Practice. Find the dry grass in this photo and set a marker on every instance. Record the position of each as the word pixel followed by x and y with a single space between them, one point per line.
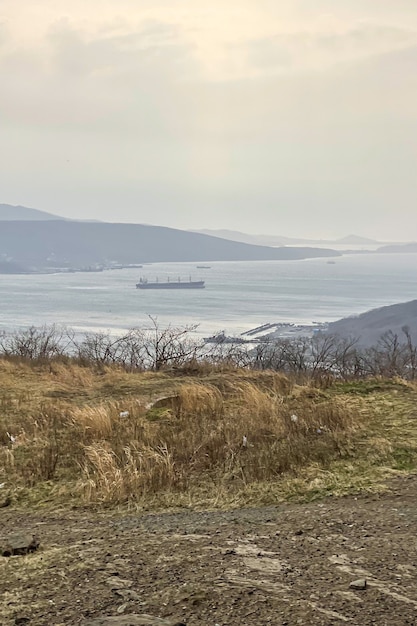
pixel 225 438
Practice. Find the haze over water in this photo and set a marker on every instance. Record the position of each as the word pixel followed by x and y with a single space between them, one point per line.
pixel 238 295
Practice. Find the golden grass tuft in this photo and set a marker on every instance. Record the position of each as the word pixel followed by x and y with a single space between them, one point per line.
pixel 109 478
pixel 90 435
pixel 199 399
pixel 96 422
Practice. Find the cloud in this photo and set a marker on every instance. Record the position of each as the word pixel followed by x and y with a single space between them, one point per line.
pixel 322 49
pixel 298 111
pixel 4 33
pixel 155 49
pixel 228 41
pixel 103 82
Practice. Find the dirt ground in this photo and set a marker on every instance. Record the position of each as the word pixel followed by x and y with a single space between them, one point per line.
pixel 285 565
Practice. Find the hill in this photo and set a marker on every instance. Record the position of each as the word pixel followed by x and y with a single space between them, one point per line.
pixel 369 326
pixel 235 235
pixel 46 244
pixel 279 240
pixel 136 502
pixel 355 240
pixel 21 213
pixel 408 248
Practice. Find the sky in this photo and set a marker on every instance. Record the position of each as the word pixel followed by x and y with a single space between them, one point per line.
pixel 265 116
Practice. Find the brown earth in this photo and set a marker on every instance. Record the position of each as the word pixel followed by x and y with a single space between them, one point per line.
pixel 284 565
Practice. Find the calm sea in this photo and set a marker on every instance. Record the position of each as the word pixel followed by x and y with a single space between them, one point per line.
pixel 238 295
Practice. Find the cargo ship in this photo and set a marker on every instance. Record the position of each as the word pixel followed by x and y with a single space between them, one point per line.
pixel 144 283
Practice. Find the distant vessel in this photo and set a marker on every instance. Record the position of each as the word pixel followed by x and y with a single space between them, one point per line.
pixel 203 267
pixel 331 262
pixel 170 284
pixel 122 267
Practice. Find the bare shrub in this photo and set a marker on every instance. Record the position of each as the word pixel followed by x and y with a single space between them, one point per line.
pixel 46 342
pixel 156 347
pixel 392 356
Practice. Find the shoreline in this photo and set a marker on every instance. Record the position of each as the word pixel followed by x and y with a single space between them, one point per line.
pixel 276 330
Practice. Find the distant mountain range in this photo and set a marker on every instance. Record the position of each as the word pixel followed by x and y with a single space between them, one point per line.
pixel 349 240
pixel 355 240
pixel 403 248
pixel 368 327
pixel 9 212
pixel 45 244
pixel 271 240
pixel 33 240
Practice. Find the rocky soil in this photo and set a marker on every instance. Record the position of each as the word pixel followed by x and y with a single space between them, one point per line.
pixel 350 560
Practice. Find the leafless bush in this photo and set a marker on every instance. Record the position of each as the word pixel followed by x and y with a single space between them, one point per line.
pixel 228 354
pixel 168 347
pixel 330 355
pixel 105 349
pixel 46 342
pixel 393 355
pixel 158 347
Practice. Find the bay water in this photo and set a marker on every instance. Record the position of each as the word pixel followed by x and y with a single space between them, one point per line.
pixel 238 295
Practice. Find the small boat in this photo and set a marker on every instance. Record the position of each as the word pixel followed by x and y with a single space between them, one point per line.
pixel 203 267
pixel 144 283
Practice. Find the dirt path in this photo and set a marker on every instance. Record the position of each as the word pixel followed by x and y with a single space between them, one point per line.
pixel 284 565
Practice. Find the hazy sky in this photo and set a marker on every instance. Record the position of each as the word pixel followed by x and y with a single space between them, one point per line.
pixel 268 116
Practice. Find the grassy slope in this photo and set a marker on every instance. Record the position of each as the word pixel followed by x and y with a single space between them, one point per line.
pixel 74 448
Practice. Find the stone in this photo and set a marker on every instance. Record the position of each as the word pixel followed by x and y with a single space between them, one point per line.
pixel 7 501
pixel 127 594
pixel 165 402
pixel 132 620
pixel 18 544
pixel 359 585
pixel 115 582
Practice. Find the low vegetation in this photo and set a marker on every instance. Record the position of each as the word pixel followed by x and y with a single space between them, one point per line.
pixel 88 434
pixel 160 348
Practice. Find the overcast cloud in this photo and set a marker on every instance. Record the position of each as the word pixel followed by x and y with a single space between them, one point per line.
pixel 258 116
